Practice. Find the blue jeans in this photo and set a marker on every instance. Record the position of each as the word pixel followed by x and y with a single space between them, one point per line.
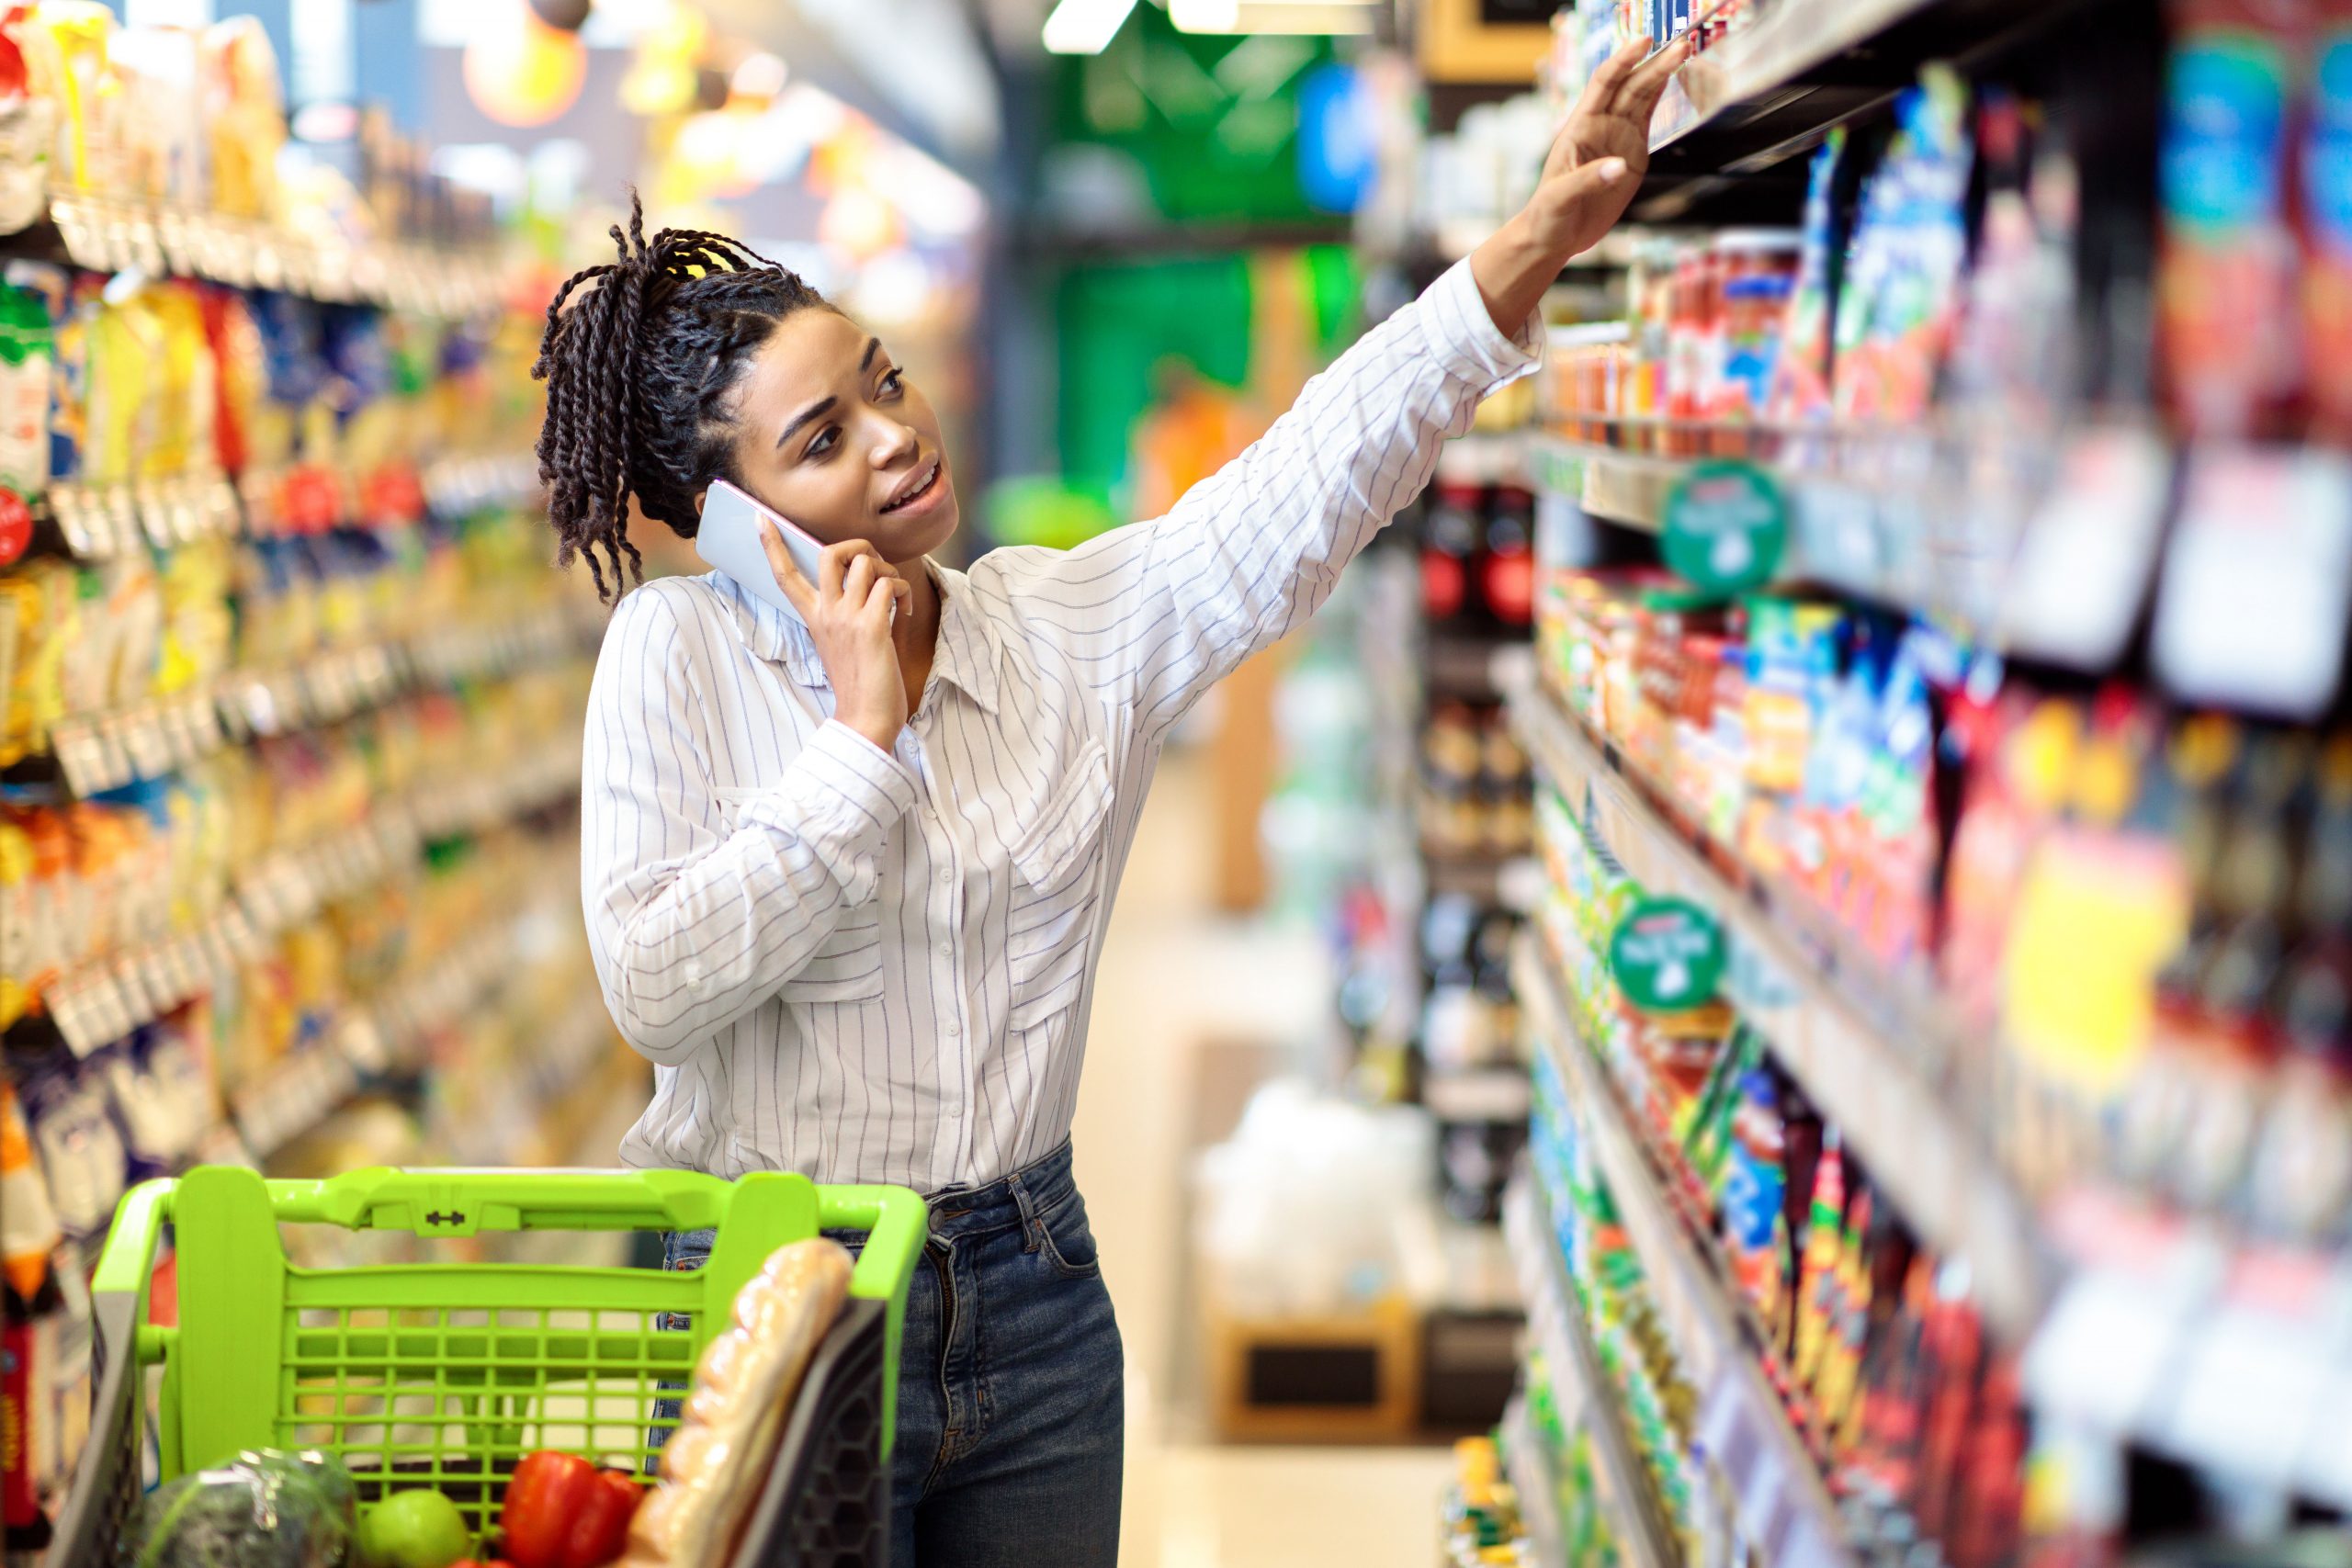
pixel 1012 1386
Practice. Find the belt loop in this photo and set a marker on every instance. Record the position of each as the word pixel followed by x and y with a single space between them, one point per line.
pixel 1030 1230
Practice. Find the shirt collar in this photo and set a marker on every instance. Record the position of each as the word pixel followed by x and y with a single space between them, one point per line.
pixel 966 656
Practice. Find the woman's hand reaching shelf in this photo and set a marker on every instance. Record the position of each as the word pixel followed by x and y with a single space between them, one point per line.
pixel 1596 165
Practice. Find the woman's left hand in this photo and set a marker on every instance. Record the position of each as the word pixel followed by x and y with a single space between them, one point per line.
pixel 1610 119
pixel 1595 167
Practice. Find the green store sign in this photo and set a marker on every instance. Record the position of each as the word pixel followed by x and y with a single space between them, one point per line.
pixel 1668 955
pixel 1726 527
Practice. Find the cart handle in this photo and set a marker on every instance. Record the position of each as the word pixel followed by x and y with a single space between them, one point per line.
pixel 129 1251
pixel 460 1203
pixel 895 1221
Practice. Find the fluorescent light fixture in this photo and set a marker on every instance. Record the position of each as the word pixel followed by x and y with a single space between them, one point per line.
pixel 1306 16
pixel 1085 27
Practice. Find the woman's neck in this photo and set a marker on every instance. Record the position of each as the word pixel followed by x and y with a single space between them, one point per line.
pixel 916 631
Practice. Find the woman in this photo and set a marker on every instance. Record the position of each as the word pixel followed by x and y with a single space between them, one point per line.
pixel 846 877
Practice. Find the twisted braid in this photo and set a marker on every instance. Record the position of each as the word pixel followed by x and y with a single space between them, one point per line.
pixel 642 356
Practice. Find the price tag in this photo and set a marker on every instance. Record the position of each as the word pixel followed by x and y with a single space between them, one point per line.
pixel 1740 1438
pixel 2251 611
pixel 68 1009
pixel 77 752
pixel 140 1005
pixel 147 745
pixel 2248 1402
pixel 2325 1468
pixel 1840 536
pixel 2088 552
pixel 2110 1351
pixel 110 1010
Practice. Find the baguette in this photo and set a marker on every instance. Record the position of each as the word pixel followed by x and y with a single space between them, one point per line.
pixel 718 1461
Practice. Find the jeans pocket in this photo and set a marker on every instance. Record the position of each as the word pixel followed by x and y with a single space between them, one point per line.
pixel 1066 1240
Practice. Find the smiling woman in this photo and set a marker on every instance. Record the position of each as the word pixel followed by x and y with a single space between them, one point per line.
pixel 847 872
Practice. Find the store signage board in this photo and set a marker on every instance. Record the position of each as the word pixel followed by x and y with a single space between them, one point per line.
pixel 1668 955
pixel 1726 527
pixel 2250 614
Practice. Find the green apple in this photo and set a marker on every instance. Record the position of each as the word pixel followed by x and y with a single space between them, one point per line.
pixel 413 1529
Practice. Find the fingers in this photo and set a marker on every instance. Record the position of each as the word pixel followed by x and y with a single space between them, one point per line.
pixel 840 558
pixel 1594 178
pixel 858 582
pixel 797 588
pixel 879 598
pixel 1601 91
pixel 1639 97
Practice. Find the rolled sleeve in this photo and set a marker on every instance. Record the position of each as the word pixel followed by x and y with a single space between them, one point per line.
pixel 1463 336
pixel 840 798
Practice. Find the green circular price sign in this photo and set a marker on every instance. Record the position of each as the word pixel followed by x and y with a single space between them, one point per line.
pixel 1668 955
pixel 1727 526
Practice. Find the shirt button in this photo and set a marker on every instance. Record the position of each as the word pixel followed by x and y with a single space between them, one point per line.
pixel 954 1029
pixel 945 877
pixel 946 950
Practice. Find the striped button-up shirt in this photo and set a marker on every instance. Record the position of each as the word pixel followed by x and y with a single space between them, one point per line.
pixel 872 965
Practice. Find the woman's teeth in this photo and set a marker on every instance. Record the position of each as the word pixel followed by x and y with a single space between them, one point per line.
pixel 928 480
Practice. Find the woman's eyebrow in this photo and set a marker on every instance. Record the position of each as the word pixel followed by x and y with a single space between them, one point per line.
pixel 872 347
pixel 823 405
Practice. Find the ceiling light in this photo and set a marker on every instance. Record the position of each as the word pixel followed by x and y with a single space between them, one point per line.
pixel 1319 16
pixel 1085 27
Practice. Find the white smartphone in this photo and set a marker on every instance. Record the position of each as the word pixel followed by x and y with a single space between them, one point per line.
pixel 729 539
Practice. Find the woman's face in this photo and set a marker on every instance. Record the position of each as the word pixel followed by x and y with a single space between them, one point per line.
pixel 831 434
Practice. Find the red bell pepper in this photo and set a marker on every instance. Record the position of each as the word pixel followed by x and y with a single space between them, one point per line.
pixel 563 1512
pixel 478 1562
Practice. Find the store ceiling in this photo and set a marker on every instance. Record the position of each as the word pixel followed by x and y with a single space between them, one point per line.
pixel 921 66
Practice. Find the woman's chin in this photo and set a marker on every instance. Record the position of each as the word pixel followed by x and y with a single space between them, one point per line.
pixel 919 536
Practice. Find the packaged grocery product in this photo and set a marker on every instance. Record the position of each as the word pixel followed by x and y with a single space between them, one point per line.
pixel 2327 227
pixel 243 104
pixel 744 1386
pixel 265 1509
pixel 1899 298
pixel 2226 319
pixel 1800 370
pixel 28 1232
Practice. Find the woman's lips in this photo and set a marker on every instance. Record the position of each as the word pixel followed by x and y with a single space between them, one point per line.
pixel 922 493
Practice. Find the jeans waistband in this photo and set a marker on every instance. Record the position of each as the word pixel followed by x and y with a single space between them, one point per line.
pixel 1015 1200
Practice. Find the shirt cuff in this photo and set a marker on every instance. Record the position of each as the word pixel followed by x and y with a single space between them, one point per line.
pixel 841 796
pixel 1463 335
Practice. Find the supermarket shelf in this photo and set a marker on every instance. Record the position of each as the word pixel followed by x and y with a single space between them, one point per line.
pixel 1492 1094
pixel 107 235
pixel 1873 1051
pixel 107 997
pixel 101 522
pixel 1466 667
pixel 1784 1501
pixel 1554 1317
pixel 1624 488
pixel 1488 878
pixel 299 1093
pixel 1535 1478
pixel 94 753
pixel 1775 88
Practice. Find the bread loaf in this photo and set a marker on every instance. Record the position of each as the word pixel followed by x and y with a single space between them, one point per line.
pixel 718 1461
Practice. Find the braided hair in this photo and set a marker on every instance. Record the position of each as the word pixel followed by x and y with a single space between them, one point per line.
pixel 640 370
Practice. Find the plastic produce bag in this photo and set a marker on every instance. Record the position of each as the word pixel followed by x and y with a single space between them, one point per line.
pixel 262 1509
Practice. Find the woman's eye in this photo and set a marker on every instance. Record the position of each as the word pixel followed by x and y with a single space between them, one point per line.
pixel 824 443
pixel 893 383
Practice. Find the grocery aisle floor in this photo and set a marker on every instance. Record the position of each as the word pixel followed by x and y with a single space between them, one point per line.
pixel 1175 979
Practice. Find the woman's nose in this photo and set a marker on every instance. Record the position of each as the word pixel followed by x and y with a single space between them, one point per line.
pixel 895 441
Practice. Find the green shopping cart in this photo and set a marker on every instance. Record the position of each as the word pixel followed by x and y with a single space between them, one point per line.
pixel 445 1374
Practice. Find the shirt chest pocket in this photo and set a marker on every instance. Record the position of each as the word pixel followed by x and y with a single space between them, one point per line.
pixel 847 966
pixel 1057 892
